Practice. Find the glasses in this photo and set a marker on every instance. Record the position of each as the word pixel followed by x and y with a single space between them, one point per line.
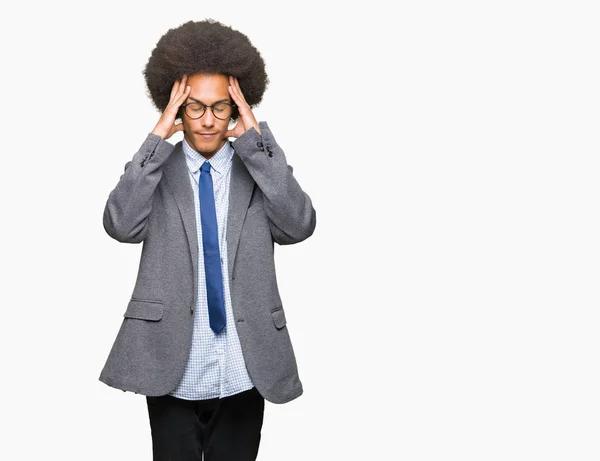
pixel 221 110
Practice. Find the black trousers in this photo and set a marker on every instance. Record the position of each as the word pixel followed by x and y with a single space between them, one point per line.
pixel 226 429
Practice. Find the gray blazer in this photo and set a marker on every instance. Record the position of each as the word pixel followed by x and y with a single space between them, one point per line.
pixel 153 202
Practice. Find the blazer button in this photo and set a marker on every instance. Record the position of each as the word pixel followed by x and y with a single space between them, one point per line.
pixel 259 144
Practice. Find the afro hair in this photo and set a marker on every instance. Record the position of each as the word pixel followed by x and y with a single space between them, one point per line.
pixel 208 47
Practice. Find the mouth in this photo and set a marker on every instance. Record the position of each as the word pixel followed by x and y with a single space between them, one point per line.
pixel 207 135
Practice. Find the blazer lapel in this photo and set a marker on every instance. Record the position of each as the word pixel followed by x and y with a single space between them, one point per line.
pixel 240 191
pixel 177 175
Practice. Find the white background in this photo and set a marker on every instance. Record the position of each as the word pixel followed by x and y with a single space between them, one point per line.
pixel 446 307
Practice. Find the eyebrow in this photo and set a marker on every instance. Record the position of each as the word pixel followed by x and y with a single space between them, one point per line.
pixel 220 100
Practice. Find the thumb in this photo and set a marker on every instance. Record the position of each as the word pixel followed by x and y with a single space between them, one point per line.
pixel 231 132
pixel 178 126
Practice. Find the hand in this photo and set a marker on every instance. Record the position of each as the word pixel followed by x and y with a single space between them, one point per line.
pixel 166 127
pixel 246 119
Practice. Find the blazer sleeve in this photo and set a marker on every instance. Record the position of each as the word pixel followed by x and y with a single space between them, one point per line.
pixel 289 209
pixel 130 202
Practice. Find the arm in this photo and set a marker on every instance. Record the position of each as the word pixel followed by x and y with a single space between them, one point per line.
pixel 129 204
pixel 289 209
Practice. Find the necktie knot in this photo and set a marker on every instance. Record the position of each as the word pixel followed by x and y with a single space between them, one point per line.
pixel 205 168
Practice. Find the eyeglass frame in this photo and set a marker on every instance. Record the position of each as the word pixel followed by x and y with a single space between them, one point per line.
pixel 183 106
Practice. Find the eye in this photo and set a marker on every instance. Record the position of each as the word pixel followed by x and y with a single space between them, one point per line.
pixel 195 107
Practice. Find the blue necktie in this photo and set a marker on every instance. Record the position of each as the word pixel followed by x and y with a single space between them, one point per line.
pixel 212 255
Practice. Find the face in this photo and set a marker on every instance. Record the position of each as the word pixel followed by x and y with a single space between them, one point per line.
pixel 206 89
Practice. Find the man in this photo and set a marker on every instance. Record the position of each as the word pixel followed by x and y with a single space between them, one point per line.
pixel 204 335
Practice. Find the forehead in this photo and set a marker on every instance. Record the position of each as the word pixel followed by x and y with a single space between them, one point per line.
pixel 208 87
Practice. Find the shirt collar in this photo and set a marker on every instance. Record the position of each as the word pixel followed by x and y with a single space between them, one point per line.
pixel 220 162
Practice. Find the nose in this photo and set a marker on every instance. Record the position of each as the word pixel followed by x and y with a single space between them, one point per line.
pixel 208 118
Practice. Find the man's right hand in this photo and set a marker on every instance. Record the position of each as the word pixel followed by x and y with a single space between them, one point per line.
pixel 166 127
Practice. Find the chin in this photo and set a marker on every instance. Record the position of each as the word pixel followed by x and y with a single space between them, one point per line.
pixel 208 145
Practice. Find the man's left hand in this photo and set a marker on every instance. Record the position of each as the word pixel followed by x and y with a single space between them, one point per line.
pixel 246 119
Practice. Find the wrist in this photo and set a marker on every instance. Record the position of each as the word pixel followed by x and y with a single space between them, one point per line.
pixel 160 133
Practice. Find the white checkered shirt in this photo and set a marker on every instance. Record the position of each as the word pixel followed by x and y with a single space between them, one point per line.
pixel 215 367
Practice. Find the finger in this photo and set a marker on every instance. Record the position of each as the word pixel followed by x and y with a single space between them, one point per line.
pixel 239 89
pixel 179 101
pixel 178 87
pixel 174 89
pixel 232 90
pixel 235 87
pixel 240 102
pixel 182 87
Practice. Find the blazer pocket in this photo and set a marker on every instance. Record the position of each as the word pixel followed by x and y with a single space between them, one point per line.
pixel 144 309
pixel 279 317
